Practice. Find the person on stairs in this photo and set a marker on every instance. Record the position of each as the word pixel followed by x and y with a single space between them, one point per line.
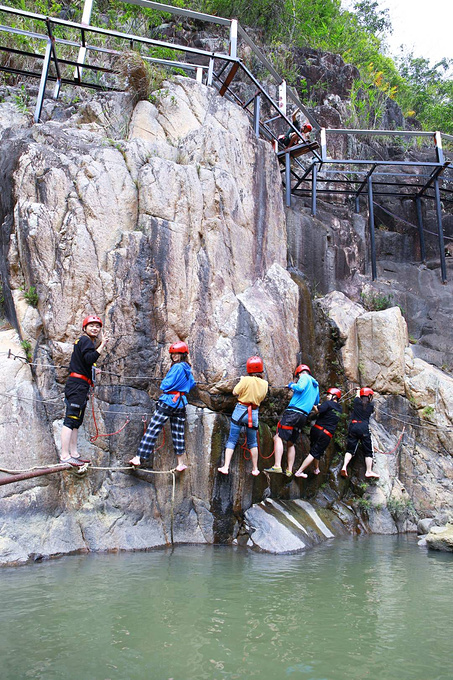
pixel 83 358
pixel 250 390
pixel 171 404
pixel 294 418
pixel 359 432
pixel 292 138
pixel 322 431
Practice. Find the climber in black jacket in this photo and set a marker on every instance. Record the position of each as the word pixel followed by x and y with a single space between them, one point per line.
pixel 359 431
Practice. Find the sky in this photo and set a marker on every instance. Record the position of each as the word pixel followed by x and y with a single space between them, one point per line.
pixel 422 25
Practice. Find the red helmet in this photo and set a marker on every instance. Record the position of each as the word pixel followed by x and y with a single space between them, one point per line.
pixel 300 368
pixel 335 392
pixel 308 127
pixel 179 348
pixel 366 392
pixel 254 365
pixel 90 319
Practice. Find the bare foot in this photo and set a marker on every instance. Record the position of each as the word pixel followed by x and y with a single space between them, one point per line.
pixel 343 473
pixel 223 470
pixel 316 471
pixel 255 473
pixel 181 467
pixel 135 461
pixel 371 474
pixel 299 473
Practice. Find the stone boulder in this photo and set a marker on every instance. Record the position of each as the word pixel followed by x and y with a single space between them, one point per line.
pixel 440 538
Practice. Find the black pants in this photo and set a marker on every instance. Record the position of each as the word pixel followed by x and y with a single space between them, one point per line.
pixel 359 433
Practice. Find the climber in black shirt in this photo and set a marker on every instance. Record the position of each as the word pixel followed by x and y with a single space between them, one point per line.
pixel 84 356
pixel 359 431
pixel 323 430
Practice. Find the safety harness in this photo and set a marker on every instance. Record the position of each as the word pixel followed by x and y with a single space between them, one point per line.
pixel 291 427
pixel 319 427
pixel 82 377
pixel 178 396
pixel 250 408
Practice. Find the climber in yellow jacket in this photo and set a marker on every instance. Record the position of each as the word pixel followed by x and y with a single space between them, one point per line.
pixel 250 390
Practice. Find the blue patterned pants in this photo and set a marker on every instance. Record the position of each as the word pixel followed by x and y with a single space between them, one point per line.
pixel 161 414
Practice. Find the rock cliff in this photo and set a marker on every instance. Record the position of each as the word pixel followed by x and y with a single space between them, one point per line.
pixel 167 219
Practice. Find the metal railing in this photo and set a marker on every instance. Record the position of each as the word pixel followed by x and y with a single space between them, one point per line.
pixel 218 69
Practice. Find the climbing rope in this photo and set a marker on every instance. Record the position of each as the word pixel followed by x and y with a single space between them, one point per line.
pixel 35 467
pixel 395 448
pixel 110 434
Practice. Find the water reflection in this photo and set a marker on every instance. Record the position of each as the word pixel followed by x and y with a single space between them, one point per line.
pixel 372 608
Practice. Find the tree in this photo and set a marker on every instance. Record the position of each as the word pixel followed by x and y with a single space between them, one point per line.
pixel 374 20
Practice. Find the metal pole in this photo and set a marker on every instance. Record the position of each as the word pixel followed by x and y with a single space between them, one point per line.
pixel 313 188
pixel 372 238
pixel 418 204
pixel 440 231
pixel 199 75
pixel 233 38
pixel 35 473
pixel 323 144
pixel 282 97
pixel 210 71
pixel 288 178
pixel 256 114
pixel 56 91
pixel 439 150
pixel 43 81
pixel 357 205
pixel 86 18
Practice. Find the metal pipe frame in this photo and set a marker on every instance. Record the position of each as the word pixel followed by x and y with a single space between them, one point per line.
pixel 33 473
pixel 372 234
pixel 418 204
pixel 440 231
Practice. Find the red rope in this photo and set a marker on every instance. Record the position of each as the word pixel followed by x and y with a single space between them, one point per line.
pixel 388 453
pixel 98 434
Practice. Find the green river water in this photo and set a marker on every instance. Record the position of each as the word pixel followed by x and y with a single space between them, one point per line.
pixel 377 608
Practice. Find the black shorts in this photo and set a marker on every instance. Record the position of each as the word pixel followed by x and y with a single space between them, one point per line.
pixel 76 398
pixel 291 425
pixel 319 441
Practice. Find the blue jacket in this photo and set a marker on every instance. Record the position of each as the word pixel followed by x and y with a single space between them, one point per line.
pixel 178 379
pixel 306 393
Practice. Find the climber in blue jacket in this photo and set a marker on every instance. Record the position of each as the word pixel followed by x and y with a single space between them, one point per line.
pixel 172 404
pixel 306 395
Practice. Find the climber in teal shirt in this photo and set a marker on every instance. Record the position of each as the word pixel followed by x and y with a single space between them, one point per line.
pixel 306 395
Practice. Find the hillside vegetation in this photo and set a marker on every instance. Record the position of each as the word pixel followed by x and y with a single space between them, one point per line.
pixel 423 90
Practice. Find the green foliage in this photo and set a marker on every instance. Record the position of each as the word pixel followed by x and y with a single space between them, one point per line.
pixel 363 504
pixel 26 346
pixel 428 94
pixel 139 76
pixel 31 296
pixel 372 18
pixel 358 35
pixel 400 508
pixel 428 412
pixel 22 100
pixel 376 302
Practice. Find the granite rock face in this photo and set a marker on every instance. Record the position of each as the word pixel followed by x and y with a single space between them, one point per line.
pixel 413 430
pixel 174 230
pixel 167 219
